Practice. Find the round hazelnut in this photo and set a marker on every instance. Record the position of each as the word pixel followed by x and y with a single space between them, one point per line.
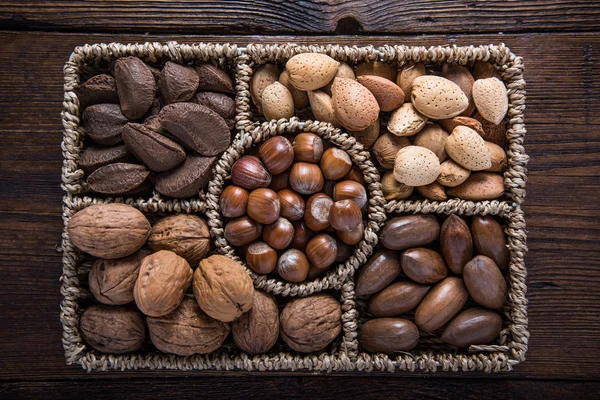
pixel 277 153
pixel 335 163
pixel 292 204
pixel 242 230
pixel 261 257
pixel 322 250
pixel 352 237
pixel 233 201
pixel 279 234
pixel 314 272
pixel 345 215
pixel 112 329
pixel 280 181
pixel 302 235
pixel 328 187
pixel 293 266
pixel 184 234
pixel 344 251
pixel 318 208
pixel 355 175
pixel 250 173
pixel 112 281
pixel 350 190
pixel 263 206
pixel 306 178
pixel 308 147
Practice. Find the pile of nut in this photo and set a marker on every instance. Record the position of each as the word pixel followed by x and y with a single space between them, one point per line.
pixel 445 133
pixel 467 270
pixel 152 127
pixel 302 199
pixel 185 311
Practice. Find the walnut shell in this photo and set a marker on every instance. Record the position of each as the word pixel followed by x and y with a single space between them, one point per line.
pixel 311 323
pixel 112 281
pixel 222 288
pixel 187 330
pixel 109 230
pixel 257 330
pixel 163 280
pixel 112 329
pixel 185 235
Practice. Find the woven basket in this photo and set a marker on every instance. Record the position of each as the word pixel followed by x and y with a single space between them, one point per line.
pixel 344 354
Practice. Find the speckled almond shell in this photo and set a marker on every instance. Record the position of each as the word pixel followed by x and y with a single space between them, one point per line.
pixel 300 96
pixel 491 99
pixel 480 186
pixel 355 106
pixel 437 97
pixel 311 71
pixel 377 68
pixel 389 96
pixel 416 166
pixel 407 75
pixel 406 121
pixel 433 137
pixel 463 78
pixel 468 149
pixel 277 102
pixel 263 76
pixel 498 157
pixel 322 107
pixel 452 174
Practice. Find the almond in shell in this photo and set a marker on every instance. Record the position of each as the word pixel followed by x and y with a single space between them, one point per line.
pixel 491 99
pixel 463 78
pixel 479 186
pixel 416 166
pixel 434 192
pixel 468 149
pixel 277 102
pixel 437 97
pixel 263 76
pixel 406 121
pixel 498 156
pixel 452 174
pixel 389 95
pixel 433 137
pixel 322 107
pixel 407 75
pixel 311 71
pixel 355 106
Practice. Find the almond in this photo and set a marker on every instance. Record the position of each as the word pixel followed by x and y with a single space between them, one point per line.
pixel 389 95
pixel 322 107
pixel 479 186
pixel 498 156
pixel 355 107
pixel 437 97
pixel 394 190
pixel 433 137
pixel 377 68
pixel 263 76
pixel 311 71
pixel 406 121
pixel 490 132
pixel 277 102
pixel 386 149
pixel 491 99
pixel 407 75
pixel 463 78
pixel 416 166
pixel 343 71
pixel 468 149
pixel 300 96
pixel 452 174
pixel 434 192
pixel 483 70
pixel 368 136
pixel 450 124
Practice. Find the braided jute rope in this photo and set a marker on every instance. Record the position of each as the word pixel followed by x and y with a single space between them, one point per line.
pixel 334 278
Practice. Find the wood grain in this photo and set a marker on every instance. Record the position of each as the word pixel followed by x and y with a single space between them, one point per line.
pixel 302 17
pixel 563 140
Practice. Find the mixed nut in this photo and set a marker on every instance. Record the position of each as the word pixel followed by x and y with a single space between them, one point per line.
pixel 444 134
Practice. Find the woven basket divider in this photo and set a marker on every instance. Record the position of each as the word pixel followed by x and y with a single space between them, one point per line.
pixel 375 217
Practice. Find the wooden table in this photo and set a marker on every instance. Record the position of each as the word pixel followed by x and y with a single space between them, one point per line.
pixel 560 43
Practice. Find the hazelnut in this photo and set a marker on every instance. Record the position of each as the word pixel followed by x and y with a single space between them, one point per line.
pixel 250 173
pixel 318 208
pixel 350 190
pixel 322 250
pixel 314 272
pixel 387 147
pixel 233 201
pixel 306 178
pixel 352 237
pixel 335 163
pixel 292 204
pixel 263 206
pixel 344 251
pixel 280 181
pixel 308 147
pixel 355 175
pixel 302 235
pixel 394 190
pixel 242 230
pixel 328 187
pixel 279 234
pixel 345 215
pixel 185 235
pixel 261 257
pixel 277 153
pixel 293 266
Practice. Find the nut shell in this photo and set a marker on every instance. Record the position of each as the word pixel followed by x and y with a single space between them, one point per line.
pixel 136 86
pixel 397 299
pixel 355 106
pixel 112 281
pixel 479 186
pixel 389 96
pixel 381 269
pixel 456 243
pixel 250 173
pixel 318 210
pixel 293 266
pixel 112 329
pixel 261 257
pixel 335 163
pixel 263 76
pixel 177 83
pixel 489 240
pixel 292 204
pixel 434 192
pixel 452 174
pixel 433 137
pixel 306 178
pixel 311 71
pixel 475 326
pixel 242 231
pixel 440 304
pixel 408 231
pixel 345 215
pixel 233 201
pixel 388 335
pixel 468 149
pixel 277 102
pixel 308 147
pixel 256 331
pixel 416 166
pixel 300 96
pixel 491 99
pixel 386 149
pixel 377 68
pixel 485 282
pixel 350 190
pixel 423 265
pixel 279 234
pixel 321 105
pixel 394 190
pixel 322 250
pixel 263 206
pixel 407 75
pixel 185 235
pixel 437 97
pixel 277 153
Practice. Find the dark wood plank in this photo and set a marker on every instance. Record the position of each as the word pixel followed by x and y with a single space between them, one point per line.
pixel 563 116
pixel 302 17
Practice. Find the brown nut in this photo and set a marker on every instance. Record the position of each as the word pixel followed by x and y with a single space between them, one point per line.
pixel 368 136
pixel 261 257
pixel 355 175
pixel 188 178
pixel 397 299
pixel 408 231
pixel 109 230
pixel 242 230
pixel 381 269
pixel 177 83
pixel 104 123
pixel 213 79
pixel 387 147
pixel 322 250
pixel 156 151
pixel 136 86
pixel 233 201
pixel 433 191
pixel 163 280
pixel 442 303
pixel 187 330
pixel 475 326
pixel 279 234
pixel 256 331
pixel 112 281
pixel 263 206
pixel 250 173
pixel 423 265
pixel 308 147
pixel 345 215
pixel 394 190
pixel 407 75
pixel 335 163
pixel 293 266
pixel 309 324
pixel 112 329
pixel 352 237
pixel 344 251
pixel 456 243
pixel 117 179
pixel 306 178
pixel 485 282
pixel 96 90
pixel 280 181
pixel 302 235
pixel 292 204
pixel 480 186
pixel 318 209
pixel 277 153
pixel 489 240
pixel 223 288
pixel 94 157
pixel 185 235
pixel 350 190
pixel 388 335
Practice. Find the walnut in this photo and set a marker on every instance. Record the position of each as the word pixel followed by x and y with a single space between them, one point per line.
pixel 112 281
pixel 113 329
pixel 163 280
pixel 311 323
pixel 186 235
pixel 187 330
pixel 222 288
pixel 257 330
